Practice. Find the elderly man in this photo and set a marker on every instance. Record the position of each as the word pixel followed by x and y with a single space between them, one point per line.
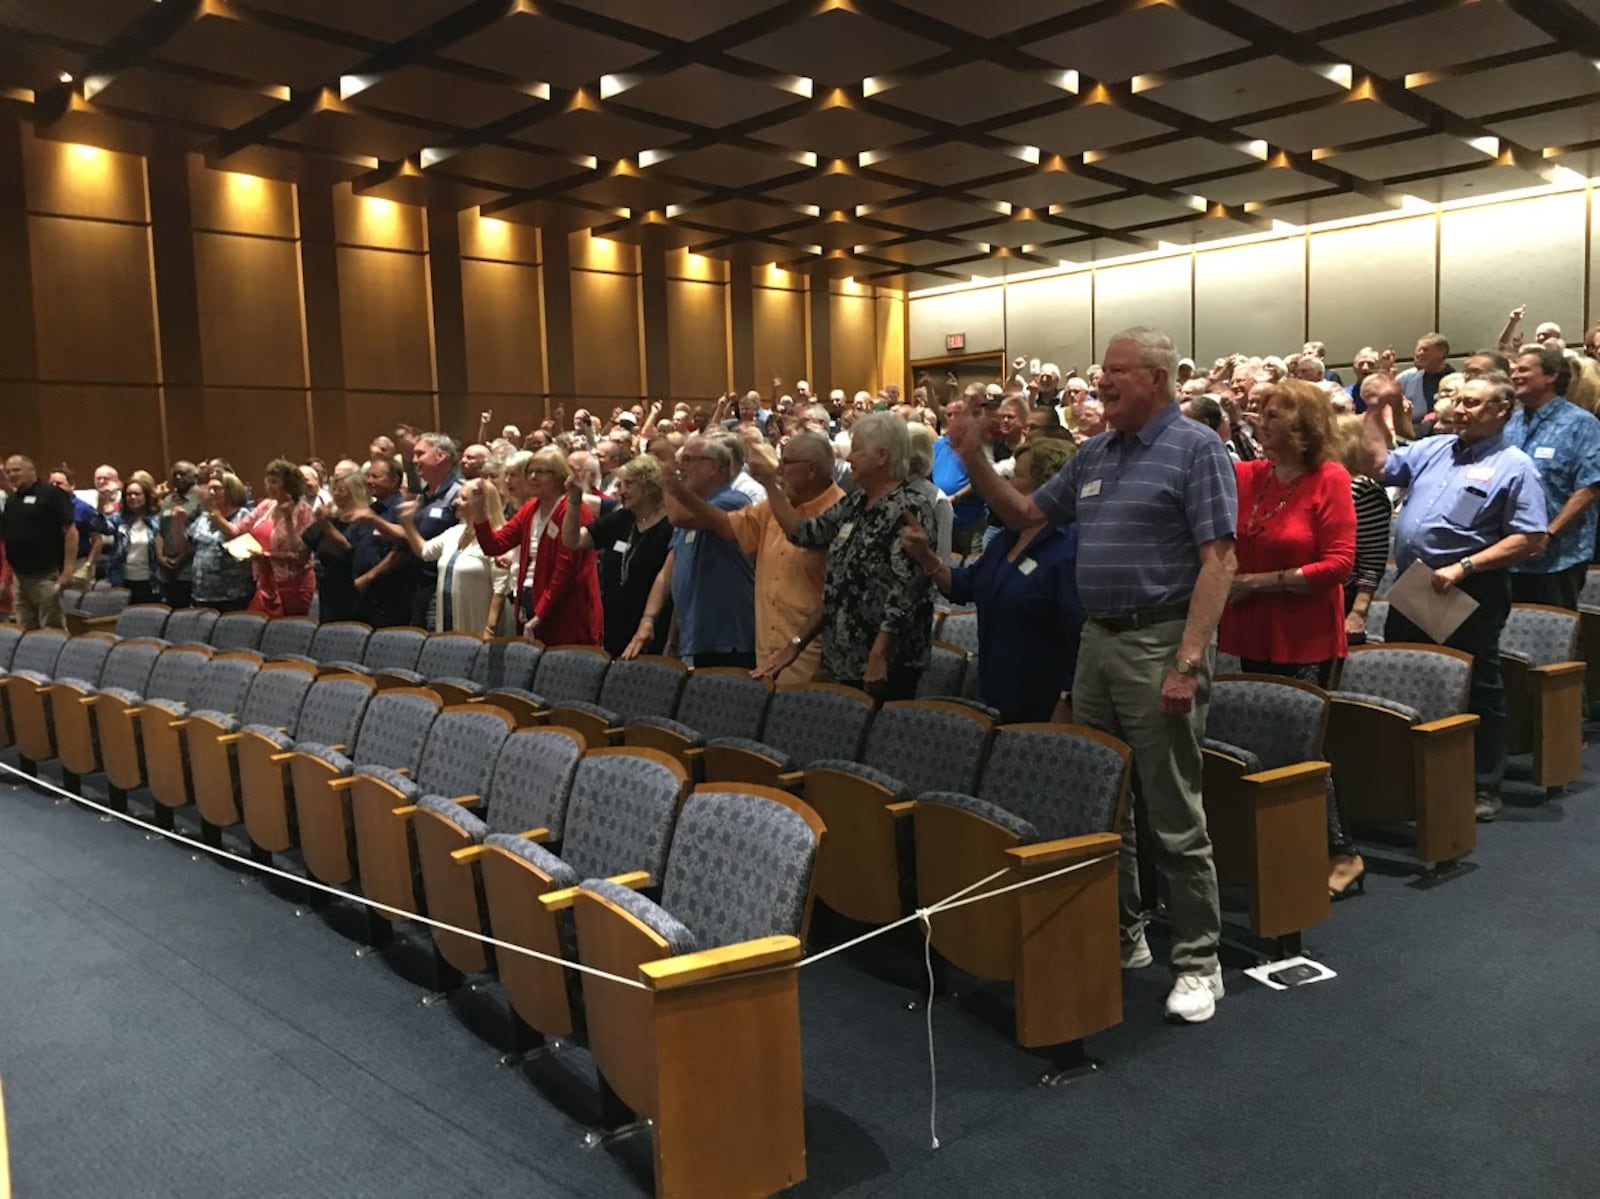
pixel 473 459
pixel 1473 508
pixel 177 568
pixel 1366 362
pixel 437 483
pixel 1047 386
pixel 1319 351
pixel 1421 382
pixel 84 520
pixel 612 454
pixel 1564 442
pixel 1155 503
pixel 952 476
pixel 380 557
pixel 711 580
pixel 108 486
pixel 41 543
pixel 788 579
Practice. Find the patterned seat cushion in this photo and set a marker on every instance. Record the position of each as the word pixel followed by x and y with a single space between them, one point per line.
pixel 760 748
pixel 326 753
pixel 460 753
pixel 121 693
pixel 415 677
pixel 1545 637
pixel 222 719
pixel 345 666
pixel 392 778
pixel 282 740
pixel 808 724
pixel 666 724
pixel 610 718
pixel 1279 723
pixel 1252 763
pixel 882 778
pixel 526 696
pixel 641 688
pixel 466 685
pixel 620 816
pixel 173 707
pixel 76 684
pixel 724 705
pixel 447 809
pixel 652 915
pixel 37 677
pixel 929 749
pixel 991 812
pixel 1433 683
pixel 1378 701
pixel 532 781
pixel 537 855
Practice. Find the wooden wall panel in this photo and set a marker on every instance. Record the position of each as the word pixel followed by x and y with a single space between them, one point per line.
pixel 366 415
pixel 86 425
pixel 92 300
pixel 247 427
pixel 1052 320
pixel 697 337
pixel 890 311
pixel 501 303
pixel 780 337
pixel 853 322
pixel 383 312
pixel 371 221
pixel 601 253
pixel 229 202
pixel 1493 258
pixel 1247 297
pixel 605 336
pixel 496 240
pixel 250 316
pixel 1156 294
pixel 979 313
pixel 1348 312
pixel 70 180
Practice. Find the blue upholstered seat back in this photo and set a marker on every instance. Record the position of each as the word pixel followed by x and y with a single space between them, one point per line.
pixel 223 685
pixel 287 635
pixel 1063 784
pixel 39 651
pixel 532 781
pixel 177 673
pixel 642 687
pixel 393 649
pixel 1433 683
pixel 238 630
pixel 129 664
pixel 505 664
pixel 448 656
pixel 460 754
pixel 143 620
pixel 927 748
pixel 812 723
pixel 191 626
pixel 717 704
pixel 333 711
pixel 620 816
pixel 1279 723
pixel 1542 635
pixel 275 697
pixel 394 729
pixel 570 674
pixel 341 641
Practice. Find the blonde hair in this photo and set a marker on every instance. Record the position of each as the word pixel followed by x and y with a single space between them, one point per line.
pixel 355 483
pixel 643 472
pixel 1584 388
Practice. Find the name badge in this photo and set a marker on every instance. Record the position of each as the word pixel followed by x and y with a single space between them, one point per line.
pixel 28 499
pixel 1026 567
pixel 552 530
pixel 436 513
pixel 1545 451
pixel 1480 474
pixel 845 530
pixel 1090 490
pixel 619 547
pixel 688 538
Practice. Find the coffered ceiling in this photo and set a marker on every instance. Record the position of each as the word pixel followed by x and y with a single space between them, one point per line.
pixel 902 142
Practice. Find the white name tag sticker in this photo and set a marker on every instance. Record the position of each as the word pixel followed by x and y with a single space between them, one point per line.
pixel 28 499
pixel 436 513
pixel 1480 474
pixel 845 530
pixel 688 538
pixel 552 530
pixel 1545 451
pixel 619 547
pixel 1026 567
pixel 1090 490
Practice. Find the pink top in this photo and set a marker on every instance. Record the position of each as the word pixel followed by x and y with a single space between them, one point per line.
pixel 288 559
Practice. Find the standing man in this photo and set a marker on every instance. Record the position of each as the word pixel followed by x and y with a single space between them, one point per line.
pixel 789 579
pixel 41 544
pixel 177 568
pixel 433 458
pixel 1564 442
pixel 380 562
pixel 1421 382
pixel 1155 502
pixel 1473 507
pixel 83 519
pixel 953 476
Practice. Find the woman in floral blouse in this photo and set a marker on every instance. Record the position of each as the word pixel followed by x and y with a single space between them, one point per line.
pixel 877 604
pixel 286 579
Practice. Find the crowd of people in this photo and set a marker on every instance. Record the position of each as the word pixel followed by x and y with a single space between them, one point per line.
pixel 1113 529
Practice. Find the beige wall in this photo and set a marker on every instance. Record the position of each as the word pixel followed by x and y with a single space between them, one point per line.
pixel 1381 283
pixel 165 309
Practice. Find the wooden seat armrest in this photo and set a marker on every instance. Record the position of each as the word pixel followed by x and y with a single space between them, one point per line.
pixel 177 724
pixel 695 751
pixel 91 623
pixel 535 834
pixel 230 738
pixel 1064 852
pixel 1445 724
pixel 1336 702
pixel 1557 670
pixel 901 808
pixel 790 779
pixel 469 853
pixel 405 771
pixel 130 713
pixel 555 901
pixel 42 690
pixel 1207 751
pixel 1280 775
pixel 284 757
pixel 666 973
pixel 86 700
pixel 342 784
pixel 467 801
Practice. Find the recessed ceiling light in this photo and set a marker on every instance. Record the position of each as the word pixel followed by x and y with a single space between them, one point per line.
pixel 64 77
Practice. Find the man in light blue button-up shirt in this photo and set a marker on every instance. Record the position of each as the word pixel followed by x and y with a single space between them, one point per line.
pixel 1564 442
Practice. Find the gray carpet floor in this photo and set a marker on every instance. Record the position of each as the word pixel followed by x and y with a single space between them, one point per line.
pixel 165 1031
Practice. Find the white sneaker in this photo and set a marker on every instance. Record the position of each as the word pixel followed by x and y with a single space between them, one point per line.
pixel 1136 953
pixel 1194 997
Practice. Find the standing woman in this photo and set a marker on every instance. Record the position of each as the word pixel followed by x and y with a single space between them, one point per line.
pixel 558 589
pixel 221 581
pixel 470 589
pixel 134 532
pixel 1296 547
pixel 632 541
pixel 285 579
pixel 1374 528
pixel 328 537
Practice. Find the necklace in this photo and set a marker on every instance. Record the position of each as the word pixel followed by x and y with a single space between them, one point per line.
pixel 1258 520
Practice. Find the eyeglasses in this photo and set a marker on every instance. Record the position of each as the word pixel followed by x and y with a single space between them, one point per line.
pixel 695 458
pixel 542 470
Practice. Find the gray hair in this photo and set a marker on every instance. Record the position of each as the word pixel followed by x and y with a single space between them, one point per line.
pixel 814 448
pixel 921 462
pixel 885 431
pixel 734 444
pixel 721 450
pixel 1156 351
pixel 444 443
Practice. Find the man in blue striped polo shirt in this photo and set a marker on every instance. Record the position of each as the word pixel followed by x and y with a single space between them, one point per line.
pixel 1156 505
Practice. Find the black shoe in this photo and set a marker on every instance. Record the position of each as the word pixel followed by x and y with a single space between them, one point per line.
pixel 1488 806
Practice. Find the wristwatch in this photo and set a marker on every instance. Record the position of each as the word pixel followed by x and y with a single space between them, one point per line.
pixel 1466 565
pixel 798 642
pixel 1184 665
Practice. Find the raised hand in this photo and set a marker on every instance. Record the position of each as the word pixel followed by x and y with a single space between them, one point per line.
pixel 574 490
pixel 914 540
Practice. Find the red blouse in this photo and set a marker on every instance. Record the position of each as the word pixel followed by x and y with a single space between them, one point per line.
pixel 565 583
pixel 1311 525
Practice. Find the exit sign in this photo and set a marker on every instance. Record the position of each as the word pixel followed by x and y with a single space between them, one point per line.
pixel 955 341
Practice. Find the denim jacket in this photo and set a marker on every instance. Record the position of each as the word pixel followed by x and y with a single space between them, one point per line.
pixel 114 527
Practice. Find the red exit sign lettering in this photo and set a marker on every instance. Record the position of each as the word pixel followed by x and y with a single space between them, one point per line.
pixel 955 341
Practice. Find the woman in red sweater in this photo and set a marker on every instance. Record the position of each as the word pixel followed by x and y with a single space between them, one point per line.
pixel 558 589
pixel 1296 545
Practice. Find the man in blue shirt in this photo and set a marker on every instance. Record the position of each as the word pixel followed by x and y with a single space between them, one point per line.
pixel 434 460
pixel 1473 508
pixel 89 537
pixel 1156 504
pixel 951 476
pixel 1564 442
pixel 1421 382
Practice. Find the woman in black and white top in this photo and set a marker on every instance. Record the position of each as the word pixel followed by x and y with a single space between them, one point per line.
pixel 1374 529
pixel 133 532
pixel 632 540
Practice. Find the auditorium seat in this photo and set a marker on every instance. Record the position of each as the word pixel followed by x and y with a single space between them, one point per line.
pixel 27 692
pixel 620 811
pixel 338 641
pixel 384 649
pixel 211 736
pixel 1226 664
pixel 1400 740
pixel 1539 650
pixel 222 686
pixel 393 730
pixel 721 701
pixel 1266 800
pixel 238 630
pixel 1377 618
pixel 443 656
pixel 570 673
pixel 10 634
pixel 946 673
pixel 1589 624
pixel 709 1054
pixel 647 686
pixel 330 715
pixel 72 702
pixel 118 714
pixel 456 764
pixel 912 746
pixel 191 626
pixel 34 659
pixel 287 637
pixel 506 664
pixel 1391 575
pixel 137 620
pixel 959 627
pixel 805 724
pixel 94 606
pixel 1050 796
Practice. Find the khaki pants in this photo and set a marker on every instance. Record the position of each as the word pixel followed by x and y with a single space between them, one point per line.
pixel 82 576
pixel 38 601
pixel 1118 690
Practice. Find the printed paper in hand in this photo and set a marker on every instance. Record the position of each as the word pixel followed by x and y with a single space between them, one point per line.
pixel 1438 615
pixel 244 547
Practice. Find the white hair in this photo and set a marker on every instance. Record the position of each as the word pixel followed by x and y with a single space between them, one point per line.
pixel 885 431
pixel 1156 351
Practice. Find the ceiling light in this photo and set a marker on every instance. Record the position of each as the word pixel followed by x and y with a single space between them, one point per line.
pixel 1028 154
pixel 1337 72
pixel 64 77
pixel 873 84
pixel 1286 227
pixel 1198 203
pixel 810 210
pixel 352 85
pixel 798 84
pixel 612 85
pixel 1256 149
pixel 539 91
pixel 1410 203
pixel 867 157
pixel 1485 145
pixel 1067 81
pixel 674 210
pixel 95 84
pixel 806 158
pixel 432 156
pixel 649 158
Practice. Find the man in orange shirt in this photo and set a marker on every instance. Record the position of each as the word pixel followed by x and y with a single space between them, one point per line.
pixel 788 578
